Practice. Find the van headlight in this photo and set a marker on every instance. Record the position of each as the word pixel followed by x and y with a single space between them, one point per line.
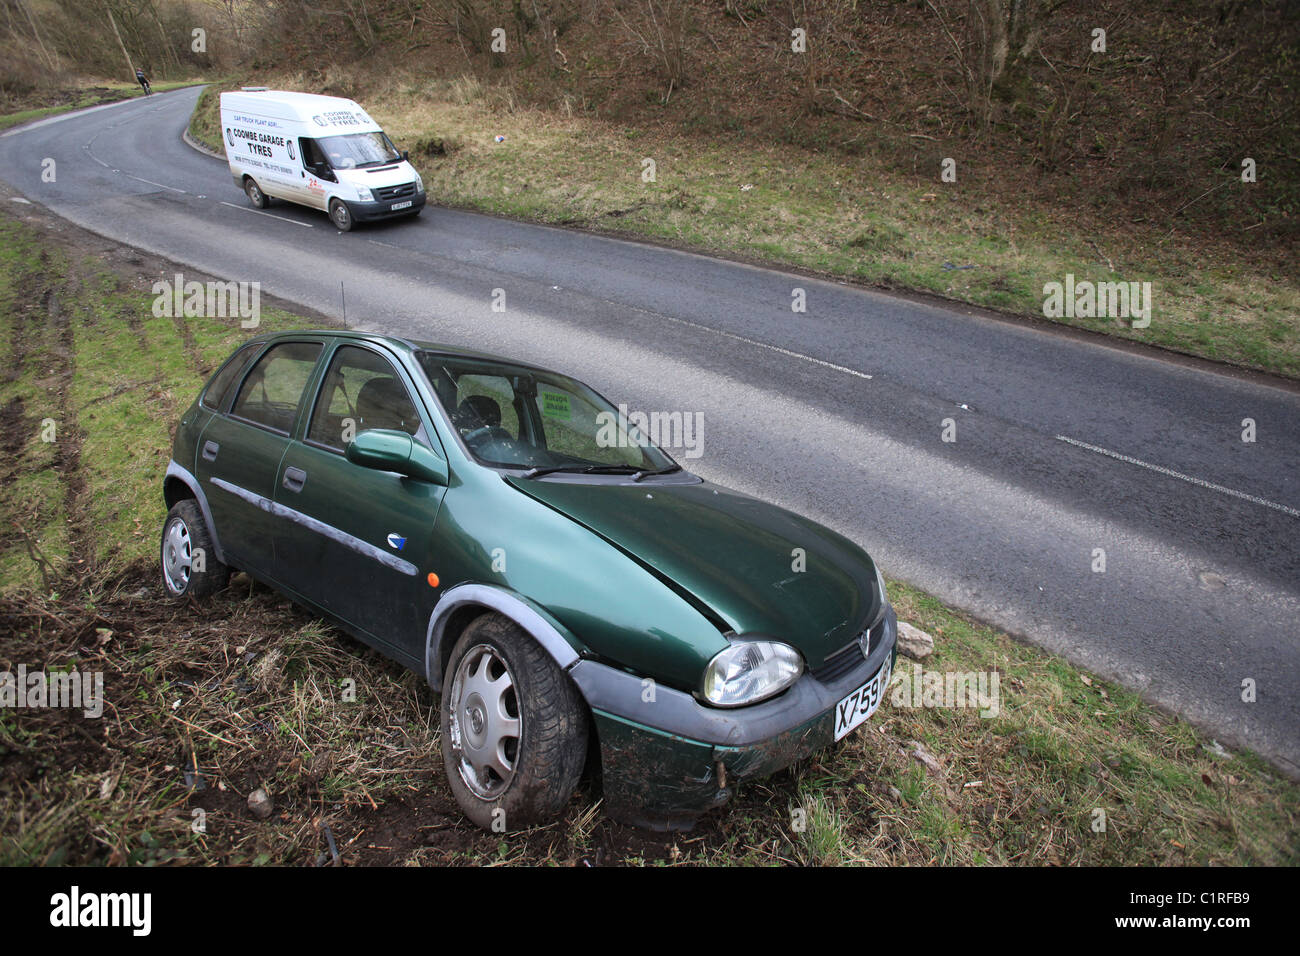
pixel 363 194
pixel 419 183
pixel 880 583
pixel 748 671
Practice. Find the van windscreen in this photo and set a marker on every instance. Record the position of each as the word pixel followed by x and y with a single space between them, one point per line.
pixel 359 149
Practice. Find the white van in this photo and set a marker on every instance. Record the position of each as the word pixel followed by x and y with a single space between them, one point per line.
pixel 320 151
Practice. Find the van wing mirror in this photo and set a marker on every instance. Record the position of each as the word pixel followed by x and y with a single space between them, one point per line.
pixel 388 450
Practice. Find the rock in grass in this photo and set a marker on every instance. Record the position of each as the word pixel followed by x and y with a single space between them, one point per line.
pixel 913 642
pixel 925 758
pixel 260 802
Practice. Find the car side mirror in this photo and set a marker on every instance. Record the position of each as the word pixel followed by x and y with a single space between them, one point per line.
pixel 387 450
pixel 406 155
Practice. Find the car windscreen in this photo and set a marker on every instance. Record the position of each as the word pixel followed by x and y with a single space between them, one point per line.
pixel 356 150
pixel 518 417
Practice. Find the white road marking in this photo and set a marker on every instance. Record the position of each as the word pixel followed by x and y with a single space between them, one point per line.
pixel 150 182
pixel 1199 482
pixel 765 345
pixel 261 213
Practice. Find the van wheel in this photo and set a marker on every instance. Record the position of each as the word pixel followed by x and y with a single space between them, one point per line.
pixel 189 564
pixel 340 215
pixel 514 727
pixel 255 195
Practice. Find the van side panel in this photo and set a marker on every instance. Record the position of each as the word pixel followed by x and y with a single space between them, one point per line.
pixel 265 147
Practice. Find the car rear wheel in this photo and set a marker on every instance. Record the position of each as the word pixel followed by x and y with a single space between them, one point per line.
pixel 255 195
pixel 514 727
pixel 189 565
pixel 340 215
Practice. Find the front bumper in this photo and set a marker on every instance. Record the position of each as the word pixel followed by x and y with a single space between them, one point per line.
pixel 370 211
pixel 667 760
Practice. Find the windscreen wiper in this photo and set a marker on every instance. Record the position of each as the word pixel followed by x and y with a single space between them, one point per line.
pixel 583 470
pixel 646 473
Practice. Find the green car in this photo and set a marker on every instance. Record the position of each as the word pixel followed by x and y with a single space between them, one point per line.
pixel 577 598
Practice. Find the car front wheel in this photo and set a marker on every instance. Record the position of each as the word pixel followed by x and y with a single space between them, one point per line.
pixel 340 215
pixel 514 727
pixel 189 565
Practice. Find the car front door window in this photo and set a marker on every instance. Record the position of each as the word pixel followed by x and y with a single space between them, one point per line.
pixel 361 390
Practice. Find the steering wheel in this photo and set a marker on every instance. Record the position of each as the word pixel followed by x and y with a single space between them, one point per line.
pixel 487 432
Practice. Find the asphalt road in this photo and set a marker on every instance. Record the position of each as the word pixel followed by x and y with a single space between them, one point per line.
pixel 1063 444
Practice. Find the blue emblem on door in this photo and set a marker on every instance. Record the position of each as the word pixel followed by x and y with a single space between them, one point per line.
pixel 396 541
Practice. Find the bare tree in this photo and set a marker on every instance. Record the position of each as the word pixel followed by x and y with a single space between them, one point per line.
pixel 994 41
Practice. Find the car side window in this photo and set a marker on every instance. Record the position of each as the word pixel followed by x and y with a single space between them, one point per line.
pixel 361 390
pixel 274 387
pixel 218 390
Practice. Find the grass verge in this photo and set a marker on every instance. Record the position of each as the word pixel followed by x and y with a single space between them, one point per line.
pixel 77 99
pixel 205 704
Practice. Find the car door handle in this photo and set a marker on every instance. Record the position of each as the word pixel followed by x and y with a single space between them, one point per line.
pixel 294 479
pixel 210 449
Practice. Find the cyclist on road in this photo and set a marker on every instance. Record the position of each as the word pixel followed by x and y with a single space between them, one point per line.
pixel 142 80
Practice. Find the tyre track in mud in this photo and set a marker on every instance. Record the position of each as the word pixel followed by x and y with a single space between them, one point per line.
pixel 201 368
pixel 31 300
pixel 69 436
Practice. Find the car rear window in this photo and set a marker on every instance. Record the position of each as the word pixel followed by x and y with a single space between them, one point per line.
pixel 218 390
pixel 275 385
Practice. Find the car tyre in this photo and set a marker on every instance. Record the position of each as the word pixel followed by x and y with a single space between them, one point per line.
pixel 340 215
pixel 259 199
pixel 514 727
pixel 184 535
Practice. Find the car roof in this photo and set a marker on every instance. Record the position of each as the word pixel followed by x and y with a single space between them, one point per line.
pixel 411 345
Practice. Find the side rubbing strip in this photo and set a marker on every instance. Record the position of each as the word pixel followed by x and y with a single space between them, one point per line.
pixel 320 527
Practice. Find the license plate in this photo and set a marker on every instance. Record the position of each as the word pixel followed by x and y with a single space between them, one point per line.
pixel 858 707
pixel 401 205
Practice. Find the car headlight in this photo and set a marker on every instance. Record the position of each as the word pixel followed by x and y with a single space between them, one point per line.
pixel 747 671
pixel 364 195
pixel 880 583
pixel 419 183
